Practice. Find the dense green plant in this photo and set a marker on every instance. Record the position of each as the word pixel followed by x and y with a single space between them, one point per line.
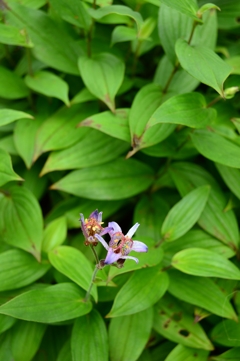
pixel 131 109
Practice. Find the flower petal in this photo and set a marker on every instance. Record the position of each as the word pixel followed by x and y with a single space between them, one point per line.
pixel 101 240
pixel 82 221
pixel 106 230
pixel 132 230
pixel 94 215
pixel 130 257
pixel 99 217
pixel 115 228
pixel 139 247
pixel 112 257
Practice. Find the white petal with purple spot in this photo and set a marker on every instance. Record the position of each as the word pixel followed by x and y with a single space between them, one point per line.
pixel 132 230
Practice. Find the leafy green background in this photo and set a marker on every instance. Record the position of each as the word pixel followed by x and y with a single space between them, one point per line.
pixel 130 107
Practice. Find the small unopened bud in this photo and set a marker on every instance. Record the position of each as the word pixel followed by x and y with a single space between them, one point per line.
pixel 229 93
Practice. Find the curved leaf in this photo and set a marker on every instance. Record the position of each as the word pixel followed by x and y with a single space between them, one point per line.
pixel 10 115
pixel 7 173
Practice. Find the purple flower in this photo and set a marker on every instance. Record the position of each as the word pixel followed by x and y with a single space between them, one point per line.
pixel 120 246
pixel 92 226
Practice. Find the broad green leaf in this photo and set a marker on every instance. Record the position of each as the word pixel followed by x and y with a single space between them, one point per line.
pixel 9 115
pixel 115 125
pixel 56 303
pixel 65 352
pixel 54 234
pixel 89 339
pixel 216 148
pixel 222 225
pixel 230 355
pixel 115 180
pixel 6 322
pixel 188 7
pixel 185 213
pixel 49 84
pixel 7 173
pixel 203 64
pixel 34 4
pixel 201 292
pixel 18 269
pixel 227 18
pixel 117 9
pixel 150 212
pixel 183 353
pixel 83 96
pixel 5 347
pixel 22 331
pixel 123 33
pixel 140 292
pixel 227 333
pixel 24 138
pixel 93 149
pixel 59 131
pixel 177 324
pixel 103 75
pixel 231 177
pixel 72 11
pixel 173 25
pixel 47 36
pixel 12 86
pixel 208 6
pixel 21 223
pixel 185 109
pixel 125 330
pixel 11 35
pixel 203 262
pixel 150 259
pixel 181 82
pixel 73 264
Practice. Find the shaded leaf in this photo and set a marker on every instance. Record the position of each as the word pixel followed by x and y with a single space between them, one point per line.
pixel 54 234
pixel 7 173
pixel 183 353
pixel 56 303
pixel 6 322
pixel 230 355
pixel 203 262
pixel 231 177
pixel 10 115
pixel 122 34
pixel 12 86
pixel 226 333
pixel 188 7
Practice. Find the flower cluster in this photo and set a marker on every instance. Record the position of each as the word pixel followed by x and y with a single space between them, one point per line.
pixel 120 245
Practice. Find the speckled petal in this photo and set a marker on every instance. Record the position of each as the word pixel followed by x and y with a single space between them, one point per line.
pixel 112 257
pixel 132 230
pixel 101 240
pixel 130 257
pixel 139 246
pixel 115 228
pixel 82 221
pixel 106 230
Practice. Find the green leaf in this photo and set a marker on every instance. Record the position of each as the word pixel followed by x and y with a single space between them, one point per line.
pixel 49 84
pixel 227 18
pixel 48 37
pixel 9 115
pixel 201 292
pixel 117 9
pixel 91 331
pixel 203 262
pixel 34 4
pixel 22 331
pixel 7 173
pixel 203 64
pixel 176 323
pixel 183 353
pixel 206 7
pixel 12 86
pixel 56 303
pixel 73 264
pixel 18 269
pixel 65 352
pixel 231 177
pixel 94 149
pixel 234 63
pixel 6 322
pixel 116 180
pixel 115 125
pixel 103 75
pixel 222 225
pixel 187 7
pixel 226 333
pixel 150 212
pixel 123 33
pixel 230 355
pixel 54 234
pixel 59 131
pixel 5 347
pixel 185 213
pixel 73 12
pixel 131 328
pixel 11 35
pixel 185 109
pixel 21 223
pixel 140 292
pixel 216 148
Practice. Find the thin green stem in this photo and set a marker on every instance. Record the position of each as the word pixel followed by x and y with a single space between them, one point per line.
pixel 86 298
pixel 89 35
pixel 214 101
pixel 95 253
pixel 29 61
pixel 195 23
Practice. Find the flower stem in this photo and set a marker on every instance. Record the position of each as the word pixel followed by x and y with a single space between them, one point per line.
pixel 86 298
pixel 95 254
